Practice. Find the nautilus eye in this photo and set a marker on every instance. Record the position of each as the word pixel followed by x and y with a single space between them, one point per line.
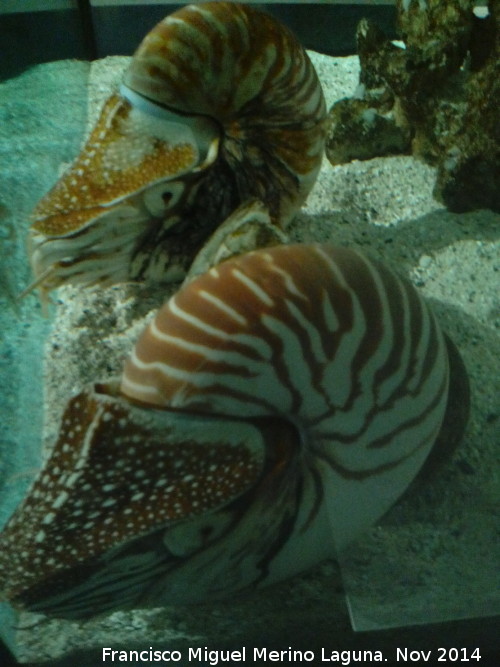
pixel 276 406
pixel 220 104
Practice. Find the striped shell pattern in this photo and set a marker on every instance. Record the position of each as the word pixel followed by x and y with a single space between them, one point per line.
pixel 279 403
pixel 275 407
pixel 220 104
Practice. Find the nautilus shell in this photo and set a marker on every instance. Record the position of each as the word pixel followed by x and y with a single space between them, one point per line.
pixel 276 406
pixel 280 402
pixel 220 105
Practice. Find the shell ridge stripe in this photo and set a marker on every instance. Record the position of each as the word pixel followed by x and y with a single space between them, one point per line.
pixel 252 287
pixel 401 336
pixel 195 321
pixel 139 388
pixel 224 307
pixel 229 401
pixel 240 348
pixel 353 438
pixel 360 474
pixel 289 348
pixel 312 353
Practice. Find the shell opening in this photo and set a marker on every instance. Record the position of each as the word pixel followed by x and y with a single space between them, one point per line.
pixel 204 132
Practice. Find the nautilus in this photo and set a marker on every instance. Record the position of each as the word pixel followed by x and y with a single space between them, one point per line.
pixel 276 406
pixel 280 402
pixel 219 105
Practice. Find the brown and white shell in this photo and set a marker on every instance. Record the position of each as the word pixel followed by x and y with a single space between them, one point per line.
pixel 220 105
pixel 273 410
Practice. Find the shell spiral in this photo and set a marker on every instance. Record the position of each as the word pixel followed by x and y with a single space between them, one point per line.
pixel 318 335
pixel 254 78
pixel 277 405
pixel 220 104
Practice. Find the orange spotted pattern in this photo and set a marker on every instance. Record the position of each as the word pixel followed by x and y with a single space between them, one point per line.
pixel 113 165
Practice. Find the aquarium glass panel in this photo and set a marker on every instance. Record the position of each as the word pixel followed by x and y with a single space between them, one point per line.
pixel 433 556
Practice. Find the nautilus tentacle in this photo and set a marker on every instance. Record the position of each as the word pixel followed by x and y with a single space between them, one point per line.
pixel 220 105
pixel 274 408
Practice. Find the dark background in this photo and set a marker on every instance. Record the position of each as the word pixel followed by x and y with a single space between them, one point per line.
pixel 471 634
pixel 28 38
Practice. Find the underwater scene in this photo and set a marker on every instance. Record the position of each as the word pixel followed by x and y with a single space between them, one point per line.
pixel 249 331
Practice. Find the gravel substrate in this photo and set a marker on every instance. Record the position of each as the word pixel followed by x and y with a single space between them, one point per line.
pixel 433 556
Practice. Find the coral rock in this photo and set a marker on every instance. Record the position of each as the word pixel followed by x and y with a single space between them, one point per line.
pixel 436 96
